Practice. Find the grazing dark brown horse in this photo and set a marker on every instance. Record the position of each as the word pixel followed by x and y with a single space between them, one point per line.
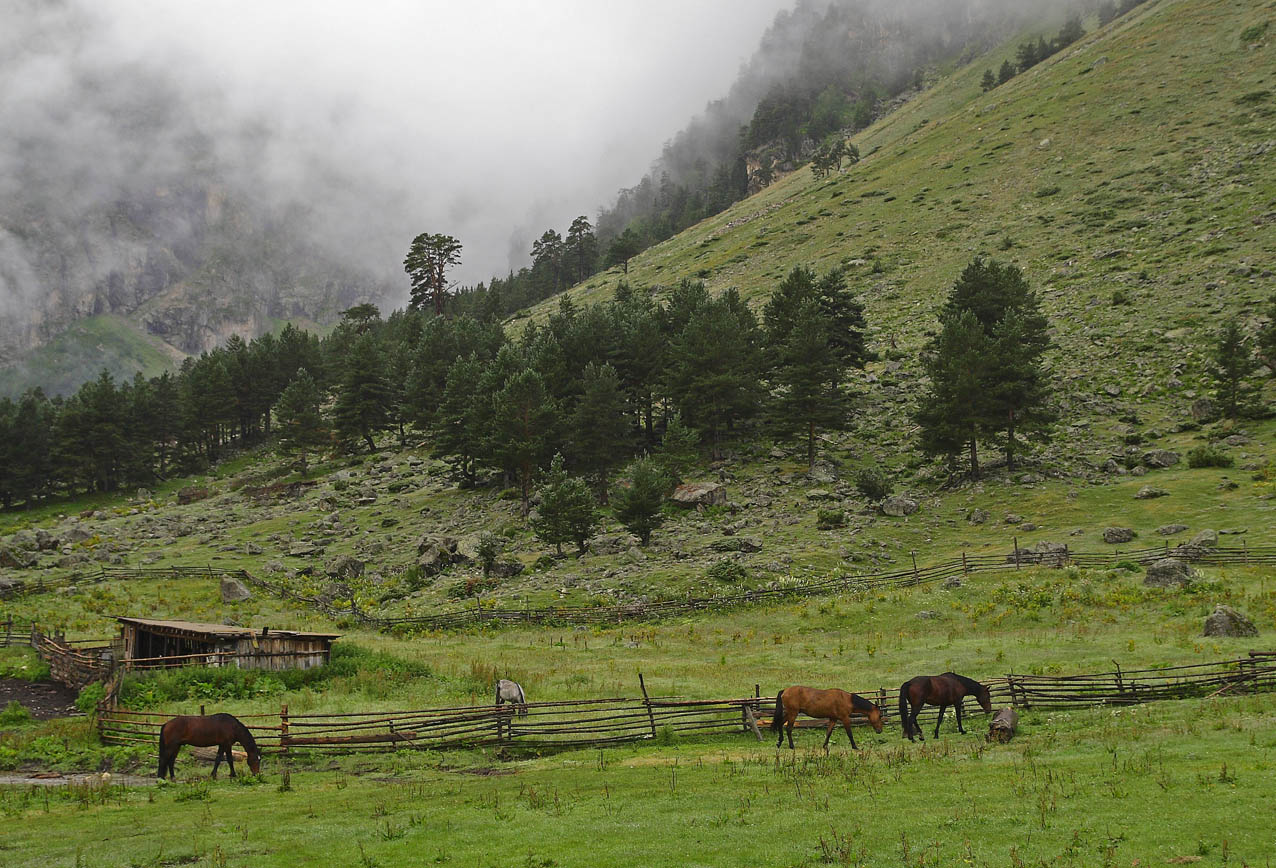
pixel 200 731
pixel 942 690
pixel 833 705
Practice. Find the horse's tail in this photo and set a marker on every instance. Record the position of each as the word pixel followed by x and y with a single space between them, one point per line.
pixel 777 720
pixel 522 702
pixel 161 752
pixel 903 706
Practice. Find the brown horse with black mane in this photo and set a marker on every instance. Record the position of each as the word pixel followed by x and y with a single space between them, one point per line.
pixel 222 730
pixel 833 705
pixel 942 690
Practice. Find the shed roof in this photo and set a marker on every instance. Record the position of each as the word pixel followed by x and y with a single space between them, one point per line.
pixel 222 631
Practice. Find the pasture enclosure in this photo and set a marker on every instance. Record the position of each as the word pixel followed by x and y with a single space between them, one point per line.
pixel 551 726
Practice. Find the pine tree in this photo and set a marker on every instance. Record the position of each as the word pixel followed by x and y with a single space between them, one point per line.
pixel 679 449
pixel 638 505
pixel 988 82
pixel 713 375
pixel 986 370
pixel 363 395
pixel 1232 365
pixel 1006 72
pixel 457 435
pixel 525 422
pixel 808 398
pixel 951 409
pixel 566 512
pixel 844 315
pixel 300 423
pixel 600 432
pixel 427 263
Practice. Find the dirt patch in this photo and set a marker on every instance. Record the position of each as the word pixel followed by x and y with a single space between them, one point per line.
pixel 44 699
pixel 93 779
pixel 482 772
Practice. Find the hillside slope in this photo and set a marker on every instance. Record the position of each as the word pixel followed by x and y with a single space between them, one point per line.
pixel 1135 160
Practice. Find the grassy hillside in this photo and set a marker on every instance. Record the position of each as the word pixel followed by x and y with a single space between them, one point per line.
pixel 1135 161
pixel 82 351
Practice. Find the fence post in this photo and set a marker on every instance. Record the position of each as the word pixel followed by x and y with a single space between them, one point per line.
pixel 1120 682
pixel 916 578
pixel 1245 548
pixel 965 570
pixel 646 700
pixel 283 729
pixel 1016 539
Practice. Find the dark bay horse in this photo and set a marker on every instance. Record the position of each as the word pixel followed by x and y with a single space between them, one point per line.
pixel 942 690
pixel 833 705
pixel 205 731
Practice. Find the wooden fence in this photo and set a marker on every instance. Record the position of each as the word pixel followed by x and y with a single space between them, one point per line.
pixel 599 722
pixel 490 614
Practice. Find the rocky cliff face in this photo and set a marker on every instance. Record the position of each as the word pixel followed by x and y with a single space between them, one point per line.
pixel 125 193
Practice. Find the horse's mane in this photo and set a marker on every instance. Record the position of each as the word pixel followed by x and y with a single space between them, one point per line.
pixel 246 737
pixel 859 703
pixel 969 683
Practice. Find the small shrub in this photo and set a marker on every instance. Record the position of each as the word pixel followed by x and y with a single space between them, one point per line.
pixel 1209 456
pixel 545 562
pixel 15 714
pixel 89 697
pixel 726 572
pixel 829 519
pixel 665 736
pixel 873 483
pixel 1120 298
pixel 340 484
pixel 1043 192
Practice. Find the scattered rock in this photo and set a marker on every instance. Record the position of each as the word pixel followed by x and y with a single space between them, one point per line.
pixel 953 582
pixel 1003 725
pixel 302 549
pixel 1204 539
pixel 17 559
pixel 251 548
pixel 1171 529
pixel 1112 467
pixel 819 494
pixel 898 505
pixel 1168 573
pixel 977 516
pixel 700 494
pixel 1226 621
pixel 1115 535
pixel 750 544
pixel 1147 492
pixel 1203 410
pixel 192 493
pixel 346 567
pixel 1157 458
pixel 1232 531
pixel 1031 479
pixel 1044 552
pixel 927 615
pixel 507 569
pixel 1013 518
pixel 233 590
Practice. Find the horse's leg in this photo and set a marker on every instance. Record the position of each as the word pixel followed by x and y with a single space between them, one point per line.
pixel 846 723
pixel 230 757
pixel 940 719
pixel 958 707
pixel 218 760
pixel 828 733
pixel 912 722
pixel 788 724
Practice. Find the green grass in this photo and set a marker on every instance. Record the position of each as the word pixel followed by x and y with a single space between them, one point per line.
pixel 1095 787
pixel 82 351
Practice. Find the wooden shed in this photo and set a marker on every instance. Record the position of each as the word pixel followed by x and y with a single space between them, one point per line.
pixel 160 644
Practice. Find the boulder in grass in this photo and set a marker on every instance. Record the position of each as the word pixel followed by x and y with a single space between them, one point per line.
pixel 346 567
pixel 1117 535
pixel 1226 621
pixel 1207 539
pixel 694 494
pixel 1171 529
pixel 1003 725
pixel 1148 492
pixel 898 506
pixel 1168 573
pixel 233 590
pixel 1157 458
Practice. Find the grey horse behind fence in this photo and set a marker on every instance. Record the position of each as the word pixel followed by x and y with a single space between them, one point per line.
pixel 511 692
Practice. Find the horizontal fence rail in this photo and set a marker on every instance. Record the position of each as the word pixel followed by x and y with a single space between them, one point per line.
pixel 597 722
pixel 488 614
